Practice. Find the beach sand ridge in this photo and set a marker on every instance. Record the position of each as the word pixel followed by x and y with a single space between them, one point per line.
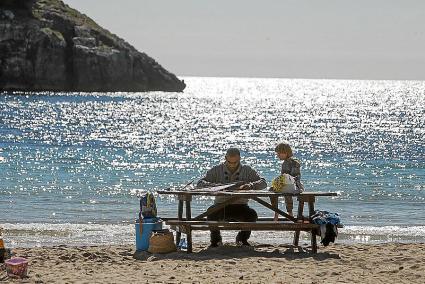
pixel 359 263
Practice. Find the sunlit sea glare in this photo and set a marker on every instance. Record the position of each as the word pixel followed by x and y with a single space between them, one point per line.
pixel 72 164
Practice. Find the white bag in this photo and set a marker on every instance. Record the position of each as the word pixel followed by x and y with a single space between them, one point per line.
pixel 284 183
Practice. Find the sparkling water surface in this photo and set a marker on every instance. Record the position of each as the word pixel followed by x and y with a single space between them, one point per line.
pixel 72 164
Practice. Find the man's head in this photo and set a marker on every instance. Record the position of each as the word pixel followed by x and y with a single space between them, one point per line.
pixel 233 158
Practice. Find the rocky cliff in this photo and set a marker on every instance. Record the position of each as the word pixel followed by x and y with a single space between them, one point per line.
pixel 47 46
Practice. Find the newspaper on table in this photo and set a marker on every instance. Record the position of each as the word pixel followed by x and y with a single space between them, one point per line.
pixel 223 187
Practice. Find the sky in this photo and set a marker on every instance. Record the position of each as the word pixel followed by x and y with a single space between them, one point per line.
pixel 326 39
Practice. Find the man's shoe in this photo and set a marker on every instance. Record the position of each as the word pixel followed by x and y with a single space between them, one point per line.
pixel 240 242
pixel 216 244
pixel 243 243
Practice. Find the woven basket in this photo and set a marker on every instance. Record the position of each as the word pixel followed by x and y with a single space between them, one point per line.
pixel 162 242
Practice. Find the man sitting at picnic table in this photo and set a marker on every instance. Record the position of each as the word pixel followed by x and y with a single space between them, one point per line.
pixel 232 171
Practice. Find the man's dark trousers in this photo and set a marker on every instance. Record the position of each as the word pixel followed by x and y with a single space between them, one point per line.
pixel 236 213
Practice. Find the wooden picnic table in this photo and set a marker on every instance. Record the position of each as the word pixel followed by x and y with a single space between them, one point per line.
pixel 285 223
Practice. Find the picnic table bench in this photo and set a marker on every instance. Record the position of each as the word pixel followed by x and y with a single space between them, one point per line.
pixel 281 222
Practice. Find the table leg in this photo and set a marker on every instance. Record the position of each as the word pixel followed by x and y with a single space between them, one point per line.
pixel 299 217
pixel 313 232
pixel 179 217
pixel 189 231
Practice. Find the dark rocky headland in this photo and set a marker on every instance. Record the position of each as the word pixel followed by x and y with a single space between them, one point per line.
pixel 47 46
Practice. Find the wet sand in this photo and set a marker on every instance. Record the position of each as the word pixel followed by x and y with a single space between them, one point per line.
pixel 380 263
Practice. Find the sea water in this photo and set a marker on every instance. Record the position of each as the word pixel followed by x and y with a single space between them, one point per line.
pixel 72 164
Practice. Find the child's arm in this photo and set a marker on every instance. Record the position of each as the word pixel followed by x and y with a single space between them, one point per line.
pixel 296 170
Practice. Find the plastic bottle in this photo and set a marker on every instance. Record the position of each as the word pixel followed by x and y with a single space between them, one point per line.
pixel 183 244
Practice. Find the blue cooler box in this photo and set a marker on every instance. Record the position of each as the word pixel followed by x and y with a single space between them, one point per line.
pixel 142 242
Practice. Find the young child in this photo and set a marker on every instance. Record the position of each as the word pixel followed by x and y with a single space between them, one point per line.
pixel 290 166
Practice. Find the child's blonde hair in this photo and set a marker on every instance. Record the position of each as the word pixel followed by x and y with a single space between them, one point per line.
pixel 284 147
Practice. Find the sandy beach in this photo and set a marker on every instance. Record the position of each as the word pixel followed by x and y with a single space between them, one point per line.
pixel 359 263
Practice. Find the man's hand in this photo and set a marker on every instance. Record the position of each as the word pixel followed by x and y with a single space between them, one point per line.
pixel 247 186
